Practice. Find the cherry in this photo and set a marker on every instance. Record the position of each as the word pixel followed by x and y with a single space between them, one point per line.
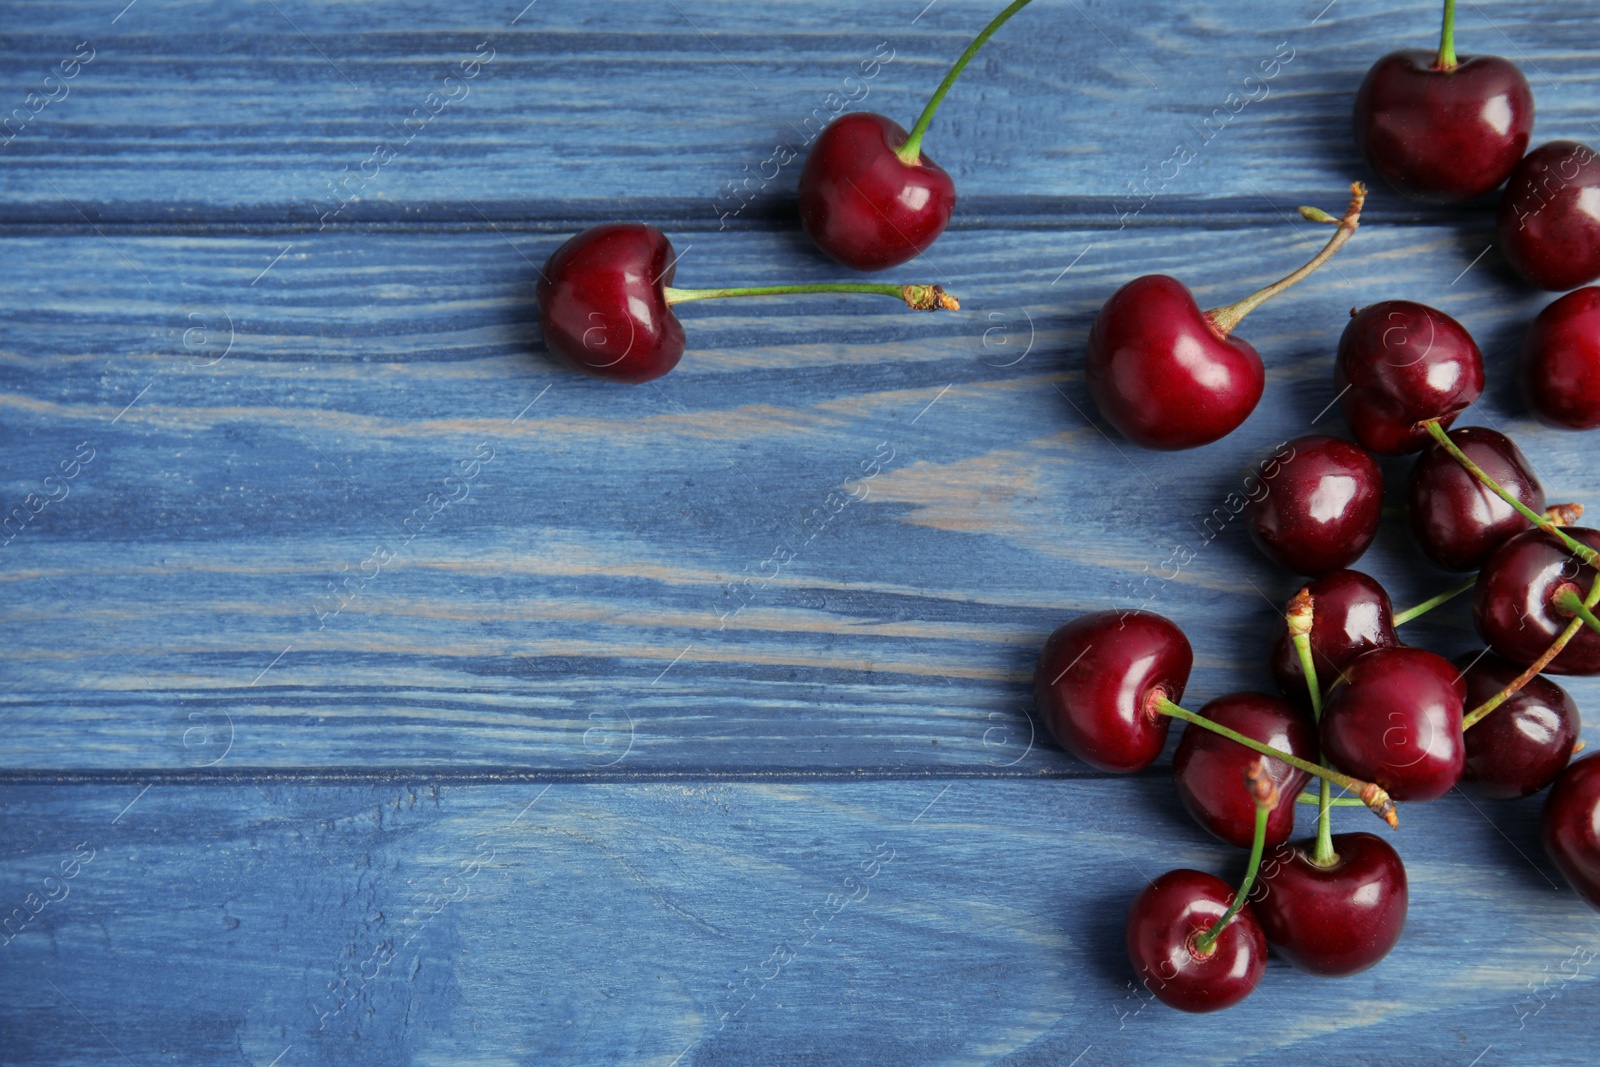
pixel 1395 719
pixel 605 301
pixel 1338 919
pixel 1399 363
pixel 1558 367
pixel 1207 767
pixel 1522 603
pixel 1321 506
pixel 1525 743
pixel 1570 827
pixel 1164 922
pixel 1457 520
pixel 1549 223
pixel 1440 129
pixel 869 197
pixel 1353 615
pixel 1170 376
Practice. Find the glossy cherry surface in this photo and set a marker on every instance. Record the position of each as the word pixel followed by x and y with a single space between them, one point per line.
pixel 862 204
pixel 1558 367
pixel 1549 223
pixel 1338 920
pixel 1094 681
pixel 1519 747
pixel 602 302
pixel 1395 719
pixel 1570 826
pixel 1320 508
pixel 1512 607
pixel 1208 768
pixel 1456 521
pixel 1162 374
pixel 1163 922
pixel 1443 135
pixel 1351 614
pixel 1400 362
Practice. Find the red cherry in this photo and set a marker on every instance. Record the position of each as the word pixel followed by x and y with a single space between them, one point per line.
pixel 1549 223
pixel 1207 767
pixel 1094 681
pixel 1163 922
pixel 1321 506
pixel 1400 362
pixel 1333 921
pixel 1351 615
pixel 1513 602
pixel 1519 747
pixel 1559 365
pixel 1571 827
pixel 1395 719
pixel 1456 520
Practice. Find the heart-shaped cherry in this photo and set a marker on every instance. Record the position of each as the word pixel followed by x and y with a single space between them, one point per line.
pixel 1570 827
pixel 1168 375
pixel 1519 748
pixel 1320 508
pixel 1456 519
pixel 1395 719
pixel 605 301
pixel 1441 129
pixel 868 196
pixel 1549 223
pixel 1164 922
pixel 1353 615
pixel 1558 367
pixel 1523 601
pixel 1399 363
pixel 1207 767
pixel 1338 919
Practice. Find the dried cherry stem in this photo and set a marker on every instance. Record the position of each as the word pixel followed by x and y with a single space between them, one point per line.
pixel 1265 793
pixel 1224 319
pixel 1416 610
pixel 917 297
pixel 1537 665
pixel 1302 611
pixel 1563 514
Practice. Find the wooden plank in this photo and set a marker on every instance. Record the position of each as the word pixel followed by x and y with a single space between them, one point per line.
pixel 275 113
pixel 597 596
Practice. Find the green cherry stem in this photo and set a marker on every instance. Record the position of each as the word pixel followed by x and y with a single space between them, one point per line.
pixel 1416 610
pixel 917 297
pixel 1225 318
pixel 1265 793
pixel 1533 669
pixel 1568 602
pixel 1446 59
pixel 1336 802
pixel 1301 614
pixel 910 153
pixel 1371 794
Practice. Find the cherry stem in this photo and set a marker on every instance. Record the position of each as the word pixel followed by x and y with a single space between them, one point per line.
pixel 1336 802
pixel 1568 602
pixel 1403 617
pixel 1265 793
pixel 1533 669
pixel 910 153
pixel 1371 794
pixel 1302 612
pixel 1447 39
pixel 917 297
pixel 1577 548
pixel 1224 319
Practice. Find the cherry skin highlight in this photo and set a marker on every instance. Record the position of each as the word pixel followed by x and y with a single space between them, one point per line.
pixel 1512 601
pixel 1094 681
pixel 1395 719
pixel 1570 826
pixel 1352 615
pixel 1558 367
pixel 1321 507
pixel 1163 922
pixel 1333 921
pixel 1208 767
pixel 1456 520
pixel 1400 362
pixel 1549 223
pixel 1521 746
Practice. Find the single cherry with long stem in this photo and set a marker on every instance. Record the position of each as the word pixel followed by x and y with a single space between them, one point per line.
pixel 1523 746
pixel 1206 767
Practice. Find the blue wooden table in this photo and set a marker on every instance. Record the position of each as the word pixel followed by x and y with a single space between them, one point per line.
pixel 378 690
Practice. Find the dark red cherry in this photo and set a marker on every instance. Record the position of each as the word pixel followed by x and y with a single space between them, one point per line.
pixel 1207 768
pixel 1395 719
pixel 1400 362
pixel 1549 223
pixel 1163 923
pixel 1558 368
pixel 1338 920
pixel 1571 827
pixel 1512 601
pixel 1320 509
pixel 1456 521
pixel 861 204
pixel 1443 135
pixel 1351 614
pixel 602 302
pixel 1519 747
pixel 1094 681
